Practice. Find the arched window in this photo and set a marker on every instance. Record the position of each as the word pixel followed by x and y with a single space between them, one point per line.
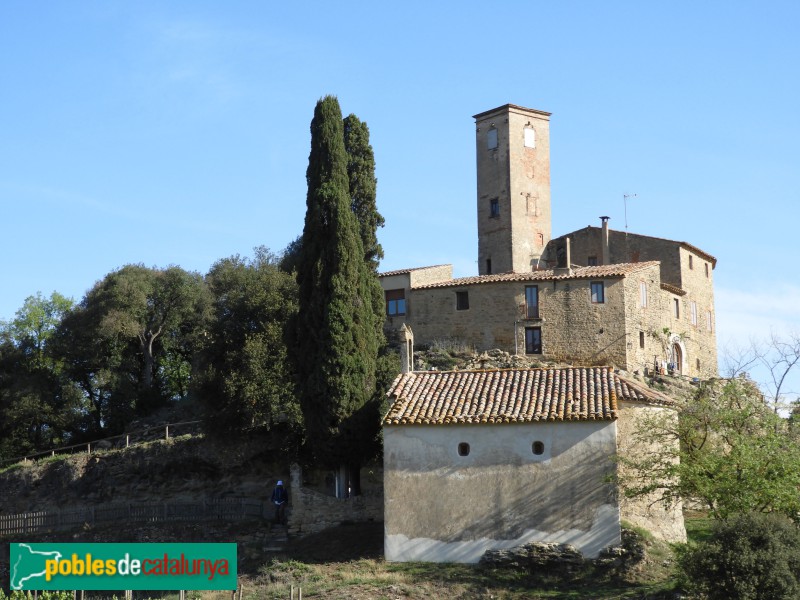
pixel 463 449
pixel 538 448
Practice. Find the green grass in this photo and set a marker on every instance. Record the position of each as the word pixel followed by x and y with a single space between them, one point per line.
pixel 699 526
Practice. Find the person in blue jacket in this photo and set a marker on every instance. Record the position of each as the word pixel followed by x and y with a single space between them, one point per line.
pixel 280 498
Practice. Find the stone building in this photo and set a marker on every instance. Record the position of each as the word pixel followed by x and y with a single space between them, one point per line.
pixel 593 296
pixel 480 460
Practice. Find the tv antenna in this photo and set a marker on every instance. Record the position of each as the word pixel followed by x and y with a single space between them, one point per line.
pixel 625 201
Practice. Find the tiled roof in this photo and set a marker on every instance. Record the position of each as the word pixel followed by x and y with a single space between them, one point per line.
pixel 673 289
pixel 404 271
pixel 635 391
pixel 513 396
pixel 618 270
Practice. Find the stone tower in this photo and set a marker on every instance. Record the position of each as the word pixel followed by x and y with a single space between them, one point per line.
pixel 513 156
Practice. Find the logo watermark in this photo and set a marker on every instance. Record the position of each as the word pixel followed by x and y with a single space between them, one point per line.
pixel 123 566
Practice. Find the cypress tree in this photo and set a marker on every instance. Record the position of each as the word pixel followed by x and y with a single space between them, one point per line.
pixel 339 334
pixel 363 187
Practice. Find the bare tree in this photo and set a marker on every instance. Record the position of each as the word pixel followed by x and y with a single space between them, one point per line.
pixel 773 363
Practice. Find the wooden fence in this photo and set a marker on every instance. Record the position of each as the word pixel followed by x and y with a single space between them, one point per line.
pixel 125 440
pixel 225 509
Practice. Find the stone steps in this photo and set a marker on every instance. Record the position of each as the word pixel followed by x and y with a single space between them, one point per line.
pixel 276 539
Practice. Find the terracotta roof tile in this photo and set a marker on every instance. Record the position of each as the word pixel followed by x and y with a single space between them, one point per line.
pixel 618 270
pixel 507 396
pixel 673 289
pixel 404 271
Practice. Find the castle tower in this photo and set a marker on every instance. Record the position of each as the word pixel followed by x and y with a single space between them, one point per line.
pixel 513 157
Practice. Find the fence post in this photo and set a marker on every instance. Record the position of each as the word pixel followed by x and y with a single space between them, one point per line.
pixel 167 432
pixel 127 440
pixel 89 448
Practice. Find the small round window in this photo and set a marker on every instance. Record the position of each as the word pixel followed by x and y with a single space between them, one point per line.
pixel 463 449
pixel 538 448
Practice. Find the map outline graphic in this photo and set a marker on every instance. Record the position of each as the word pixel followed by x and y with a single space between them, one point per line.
pixel 14 574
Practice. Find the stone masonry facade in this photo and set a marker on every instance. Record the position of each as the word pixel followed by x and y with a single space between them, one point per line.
pixel 593 296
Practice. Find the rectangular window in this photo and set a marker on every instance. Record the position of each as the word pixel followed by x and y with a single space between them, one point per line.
pixel 709 326
pixel 530 137
pixel 395 303
pixel 533 340
pixel 676 306
pixel 706 269
pixel 491 139
pixel 693 312
pixel 488 266
pixel 691 262
pixel 494 208
pixel 641 339
pixel 462 300
pixel 532 301
pixel 591 261
pixel 598 292
pixel 643 294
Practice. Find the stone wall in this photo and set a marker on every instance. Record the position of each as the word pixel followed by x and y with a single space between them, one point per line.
pixel 573 328
pixel 648 512
pixel 311 511
pixel 405 280
pixel 681 267
pixel 517 177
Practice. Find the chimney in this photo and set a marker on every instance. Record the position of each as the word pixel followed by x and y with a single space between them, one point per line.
pixel 406 349
pixel 569 256
pixel 604 241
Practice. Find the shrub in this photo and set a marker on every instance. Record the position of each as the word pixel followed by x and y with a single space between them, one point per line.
pixel 747 557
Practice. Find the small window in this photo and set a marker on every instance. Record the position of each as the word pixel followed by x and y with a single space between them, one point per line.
pixel 462 300
pixel 709 326
pixel 494 208
pixel 488 266
pixel 591 261
pixel 532 301
pixel 676 307
pixel 641 339
pixel 395 303
pixel 691 262
pixel 538 448
pixel 463 449
pixel 693 311
pixel 706 269
pixel 533 340
pixel 698 364
pixel 491 139
pixel 643 294
pixel 530 137
pixel 598 292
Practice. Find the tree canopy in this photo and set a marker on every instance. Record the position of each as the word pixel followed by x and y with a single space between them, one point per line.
pixel 339 331
pixel 245 377
pixel 734 454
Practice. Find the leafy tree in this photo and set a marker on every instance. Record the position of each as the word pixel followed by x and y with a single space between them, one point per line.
pixel 246 380
pixel 339 334
pixel 38 406
pixel 363 187
pixel 749 557
pixel 130 342
pixel 734 454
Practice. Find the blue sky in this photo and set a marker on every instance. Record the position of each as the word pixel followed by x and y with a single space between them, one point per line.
pixel 177 133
